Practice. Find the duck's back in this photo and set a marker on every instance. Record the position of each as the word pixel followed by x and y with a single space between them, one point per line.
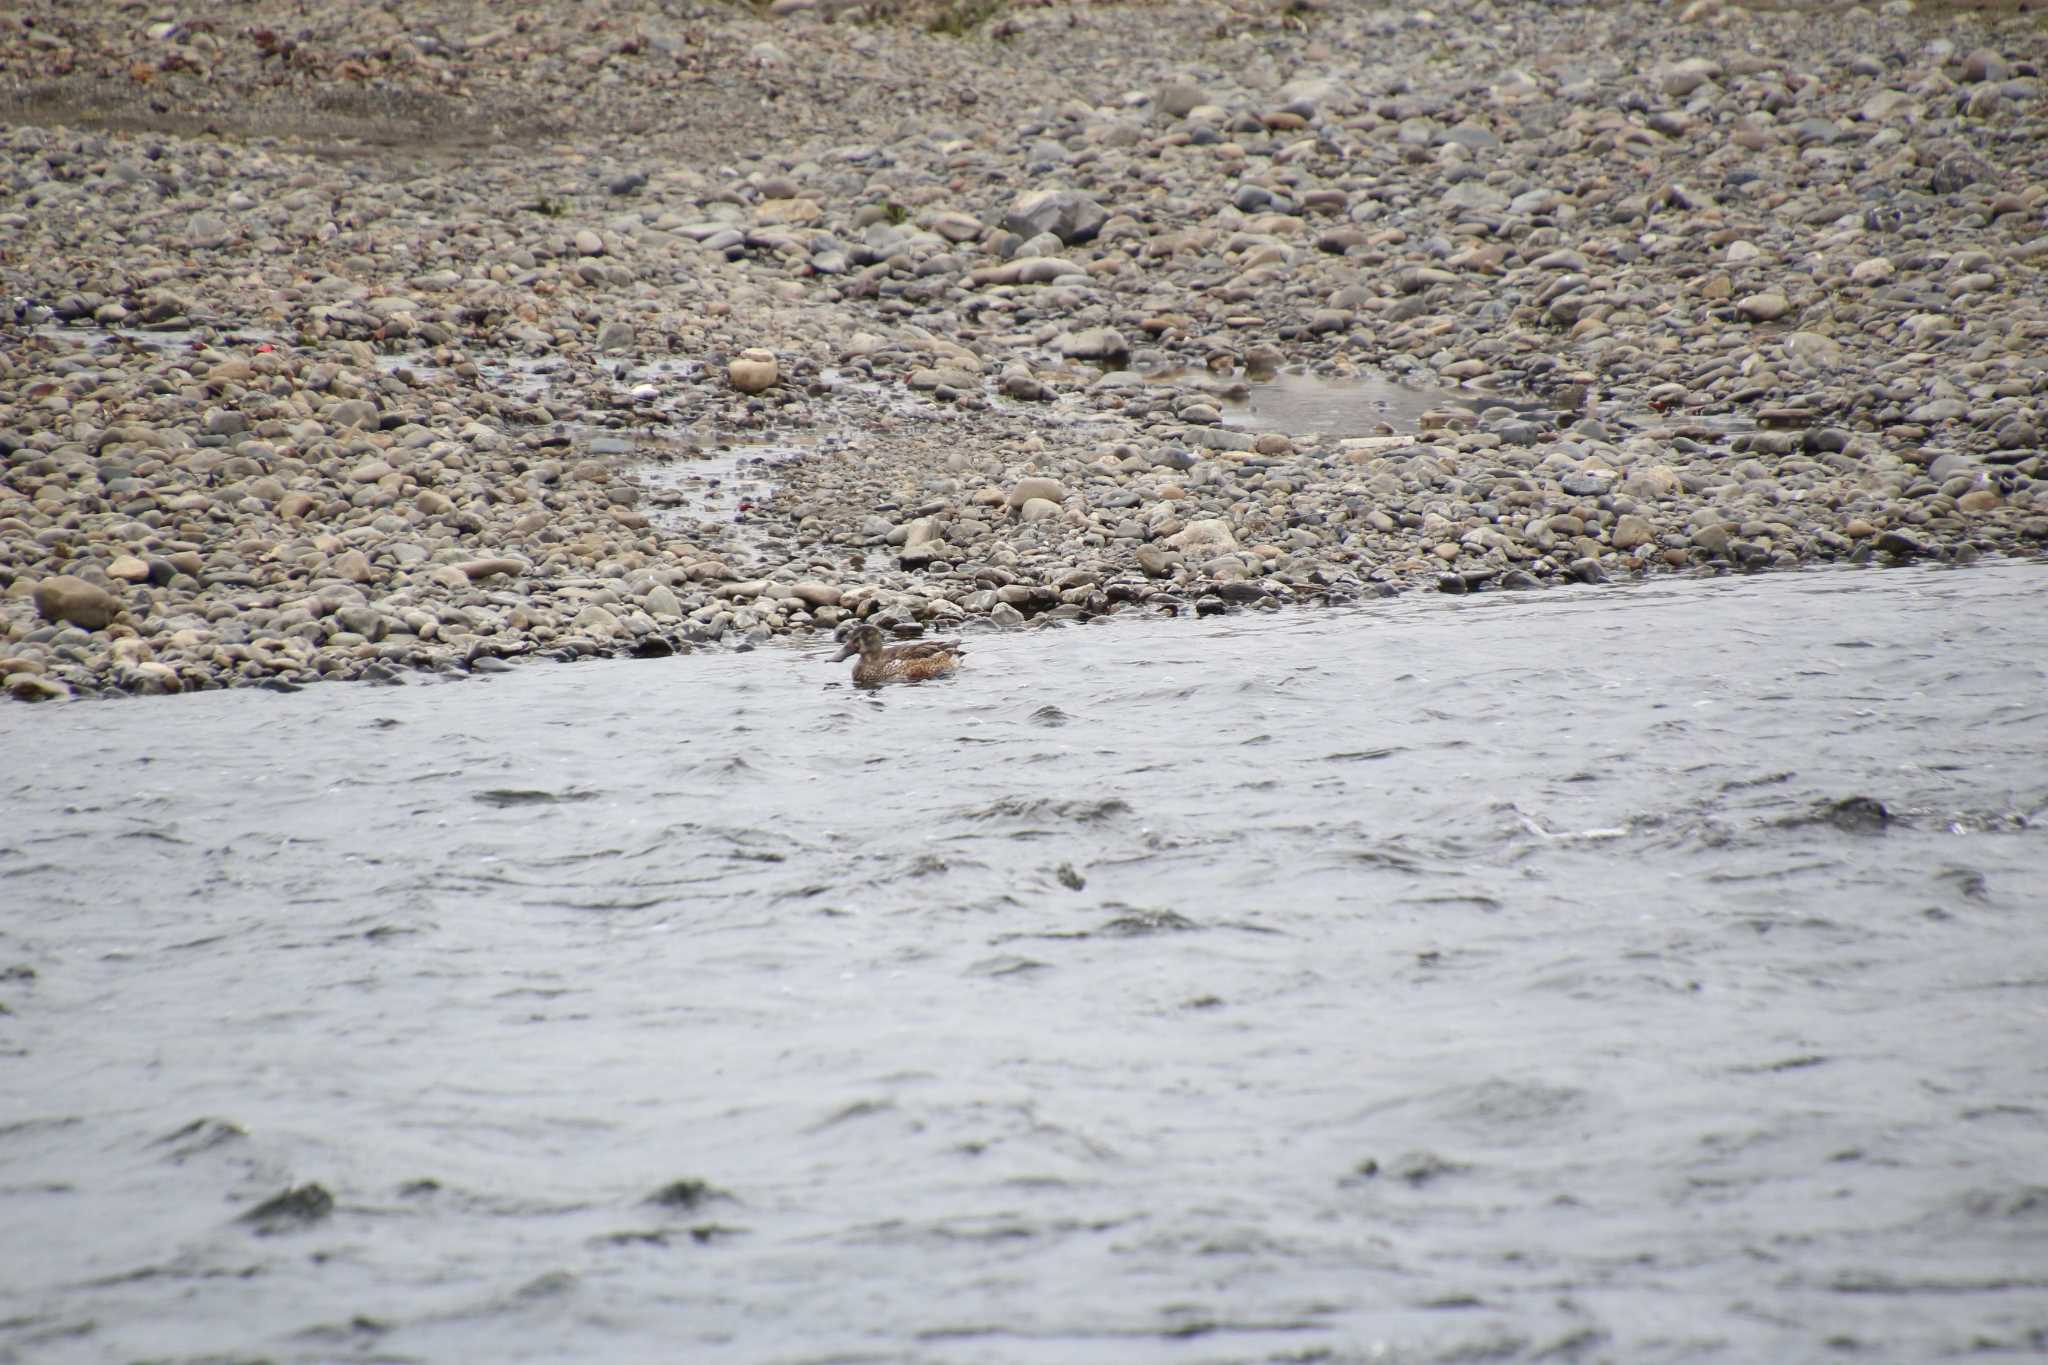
pixel 912 662
pixel 927 665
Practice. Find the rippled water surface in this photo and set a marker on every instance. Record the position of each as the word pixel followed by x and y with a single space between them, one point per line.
pixel 1644 973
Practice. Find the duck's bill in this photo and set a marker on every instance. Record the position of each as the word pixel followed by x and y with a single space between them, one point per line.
pixel 846 653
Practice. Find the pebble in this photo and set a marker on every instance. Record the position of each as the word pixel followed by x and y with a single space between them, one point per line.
pixel 1069 215
pixel 1767 306
pixel 754 371
pixel 67 598
pixel 1035 490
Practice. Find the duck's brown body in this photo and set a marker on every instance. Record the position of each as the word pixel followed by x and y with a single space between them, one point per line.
pixel 880 662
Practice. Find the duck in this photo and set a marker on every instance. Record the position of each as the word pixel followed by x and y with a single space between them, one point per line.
pixel 881 662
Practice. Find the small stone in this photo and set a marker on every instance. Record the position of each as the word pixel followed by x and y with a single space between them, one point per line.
pixel 957 227
pixel 1068 214
pixel 787 212
pixel 1713 539
pixel 66 597
pixel 1155 562
pixel 35 687
pixel 1024 490
pixel 1586 571
pixel 1765 307
pixel 1899 544
pixel 353 565
pixel 1652 481
pixel 596 621
pixel 1984 65
pixel 367 622
pixel 1207 534
pixel 153 679
pixel 927 380
pixel 1682 78
pixel 1094 343
pixel 207 229
pixel 1953 174
pixel 352 412
pixel 1939 410
pixel 1813 351
pixel 129 569
pixel 1631 531
pixel 483 568
pixel 754 371
pixel 1180 99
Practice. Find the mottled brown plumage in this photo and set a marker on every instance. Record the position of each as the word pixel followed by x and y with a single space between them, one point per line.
pixel 881 662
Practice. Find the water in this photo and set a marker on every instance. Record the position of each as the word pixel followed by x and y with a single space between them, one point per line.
pixel 1324 405
pixel 689 485
pixel 1299 404
pixel 1510 977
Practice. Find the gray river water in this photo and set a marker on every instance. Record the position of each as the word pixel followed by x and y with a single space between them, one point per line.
pixel 1644 973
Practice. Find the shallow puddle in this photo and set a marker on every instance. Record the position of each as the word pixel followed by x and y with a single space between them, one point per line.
pixel 1297 404
pixel 1330 405
pixel 95 337
pixel 688 484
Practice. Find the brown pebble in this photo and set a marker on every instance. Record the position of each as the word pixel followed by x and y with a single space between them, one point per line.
pixel 484 568
pixel 68 598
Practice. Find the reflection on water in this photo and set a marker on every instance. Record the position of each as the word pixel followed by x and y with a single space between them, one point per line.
pixel 1623 974
pixel 1330 405
pixel 687 483
pixel 1297 404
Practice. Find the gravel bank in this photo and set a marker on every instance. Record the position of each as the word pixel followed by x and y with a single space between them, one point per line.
pixel 418 339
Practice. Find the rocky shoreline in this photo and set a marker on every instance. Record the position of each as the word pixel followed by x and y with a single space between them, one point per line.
pixel 434 340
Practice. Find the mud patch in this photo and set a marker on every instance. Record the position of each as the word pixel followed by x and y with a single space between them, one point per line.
pixel 331 123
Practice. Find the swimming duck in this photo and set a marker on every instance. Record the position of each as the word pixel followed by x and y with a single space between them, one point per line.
pixel 881 662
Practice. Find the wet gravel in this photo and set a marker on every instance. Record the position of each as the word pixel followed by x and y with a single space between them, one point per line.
pixel 346 344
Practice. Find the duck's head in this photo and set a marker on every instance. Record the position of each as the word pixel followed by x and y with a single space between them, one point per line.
pixel 861 640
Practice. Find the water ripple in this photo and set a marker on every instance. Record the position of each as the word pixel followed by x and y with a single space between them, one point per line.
pixel 1581 973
